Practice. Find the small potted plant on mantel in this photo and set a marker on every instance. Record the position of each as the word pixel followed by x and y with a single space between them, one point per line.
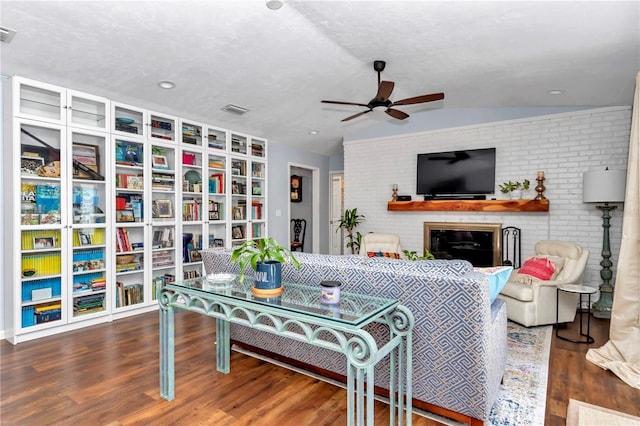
pixel 514 189
pixel 266 257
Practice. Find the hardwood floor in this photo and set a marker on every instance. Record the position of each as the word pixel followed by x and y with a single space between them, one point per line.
pixel 108 375
pixel 572 376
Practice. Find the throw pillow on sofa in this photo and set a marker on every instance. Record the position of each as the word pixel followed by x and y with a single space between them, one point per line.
pixel 383 254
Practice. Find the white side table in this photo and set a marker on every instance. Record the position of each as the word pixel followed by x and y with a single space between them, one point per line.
pixel 581 290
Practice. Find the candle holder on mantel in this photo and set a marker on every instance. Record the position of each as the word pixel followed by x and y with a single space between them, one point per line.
pixel 394 194
pixel 540 187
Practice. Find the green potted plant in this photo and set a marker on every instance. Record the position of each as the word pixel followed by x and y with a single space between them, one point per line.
pixel 350 220
pixel 412 255
pixel 266 257
pixel 514 189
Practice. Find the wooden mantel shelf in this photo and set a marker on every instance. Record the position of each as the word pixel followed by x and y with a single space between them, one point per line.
pixel 470 205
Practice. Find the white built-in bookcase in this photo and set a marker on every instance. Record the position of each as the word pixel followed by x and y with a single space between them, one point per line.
pixel 108 201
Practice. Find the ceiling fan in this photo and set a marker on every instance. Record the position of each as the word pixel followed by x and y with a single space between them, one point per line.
pixel 382 98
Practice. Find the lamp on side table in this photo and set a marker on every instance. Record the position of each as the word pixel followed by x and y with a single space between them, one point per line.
pixel 605 186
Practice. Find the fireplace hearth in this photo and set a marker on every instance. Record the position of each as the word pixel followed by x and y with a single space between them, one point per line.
pixel 479 243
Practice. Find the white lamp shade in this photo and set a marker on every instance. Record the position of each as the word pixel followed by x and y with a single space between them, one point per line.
pixel 604 186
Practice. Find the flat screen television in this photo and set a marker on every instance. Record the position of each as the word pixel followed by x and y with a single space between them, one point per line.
pixel 456 173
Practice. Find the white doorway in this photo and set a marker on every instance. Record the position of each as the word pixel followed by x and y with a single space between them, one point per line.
pixel 336 197
pixel 306 205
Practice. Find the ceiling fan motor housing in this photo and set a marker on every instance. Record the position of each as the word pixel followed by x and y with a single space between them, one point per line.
pixel 378 66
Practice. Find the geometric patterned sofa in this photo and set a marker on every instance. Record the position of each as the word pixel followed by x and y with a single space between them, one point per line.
pixel 459 338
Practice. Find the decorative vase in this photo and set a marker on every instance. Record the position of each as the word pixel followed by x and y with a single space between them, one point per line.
pixel 268 279
pixel 515 195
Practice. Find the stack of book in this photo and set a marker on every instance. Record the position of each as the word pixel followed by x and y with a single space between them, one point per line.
pixel 257 150
pixel 48 312
pixel 162 181
pixel 88 304
pixel 162 258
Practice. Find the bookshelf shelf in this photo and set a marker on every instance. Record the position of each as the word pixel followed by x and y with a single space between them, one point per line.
pixel 471 205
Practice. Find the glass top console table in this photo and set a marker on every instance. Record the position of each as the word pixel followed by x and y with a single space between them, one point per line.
pixel 298 314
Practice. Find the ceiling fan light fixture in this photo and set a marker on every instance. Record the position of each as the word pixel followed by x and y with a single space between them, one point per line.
pixel 274 4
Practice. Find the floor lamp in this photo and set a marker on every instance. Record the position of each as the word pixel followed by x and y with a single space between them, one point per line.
pixel 605 186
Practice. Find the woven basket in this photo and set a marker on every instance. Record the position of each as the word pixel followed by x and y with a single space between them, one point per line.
pixel 125 258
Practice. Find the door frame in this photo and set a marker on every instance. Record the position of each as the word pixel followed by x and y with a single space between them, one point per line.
pixel 332 231
pixel 315 204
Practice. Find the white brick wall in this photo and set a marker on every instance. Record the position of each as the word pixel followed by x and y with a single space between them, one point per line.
pixel 563 145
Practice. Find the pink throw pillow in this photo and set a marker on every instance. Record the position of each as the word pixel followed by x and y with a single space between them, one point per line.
pixel 541 268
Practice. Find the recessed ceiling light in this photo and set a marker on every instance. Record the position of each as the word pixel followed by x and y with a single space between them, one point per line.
pixel 313 132
pixel 274 4
pixel 166 84
pixel 555 92
pixel 6 34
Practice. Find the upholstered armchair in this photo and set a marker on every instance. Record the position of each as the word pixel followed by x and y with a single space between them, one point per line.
pixel 383 244
pixel 532 301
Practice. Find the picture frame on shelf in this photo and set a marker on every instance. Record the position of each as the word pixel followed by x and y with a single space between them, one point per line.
pixel 214 216
pixel 236 232
pixel 135 182
pixel 125 215
pixel 160 162
pixel 237 213
pixel 218 242
pixel 85 239
pixel 43 242
pixel 163 208
pixel 296 188
pixel 87 155
pixel 195 256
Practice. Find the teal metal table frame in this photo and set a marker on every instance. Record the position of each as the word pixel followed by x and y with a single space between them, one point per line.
pixel 299 315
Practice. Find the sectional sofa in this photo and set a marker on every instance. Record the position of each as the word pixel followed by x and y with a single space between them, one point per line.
pixel 459 339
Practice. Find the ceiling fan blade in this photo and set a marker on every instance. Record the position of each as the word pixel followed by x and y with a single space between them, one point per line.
pixel 345 103
pixel 356 115
pixel 384 90
pixel 396 113
pixel 420 99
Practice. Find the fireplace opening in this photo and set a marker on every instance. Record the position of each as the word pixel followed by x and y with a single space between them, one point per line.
pixel 478 243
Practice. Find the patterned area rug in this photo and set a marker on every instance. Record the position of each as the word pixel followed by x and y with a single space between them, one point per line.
pixel 523 393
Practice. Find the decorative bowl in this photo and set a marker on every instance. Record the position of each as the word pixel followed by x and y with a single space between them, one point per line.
pixel 125 258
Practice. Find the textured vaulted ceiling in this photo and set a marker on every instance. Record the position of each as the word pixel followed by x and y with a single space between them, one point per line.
pixel 280 64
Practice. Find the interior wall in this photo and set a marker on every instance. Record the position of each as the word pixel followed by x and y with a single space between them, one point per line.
pixel 564 146
pixel 304 209
pixel 279 158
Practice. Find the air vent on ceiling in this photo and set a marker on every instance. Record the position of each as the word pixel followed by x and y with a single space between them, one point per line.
pixel 235 109
pixel 6 34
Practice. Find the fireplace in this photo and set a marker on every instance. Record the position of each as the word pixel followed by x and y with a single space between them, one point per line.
pixel 479 243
